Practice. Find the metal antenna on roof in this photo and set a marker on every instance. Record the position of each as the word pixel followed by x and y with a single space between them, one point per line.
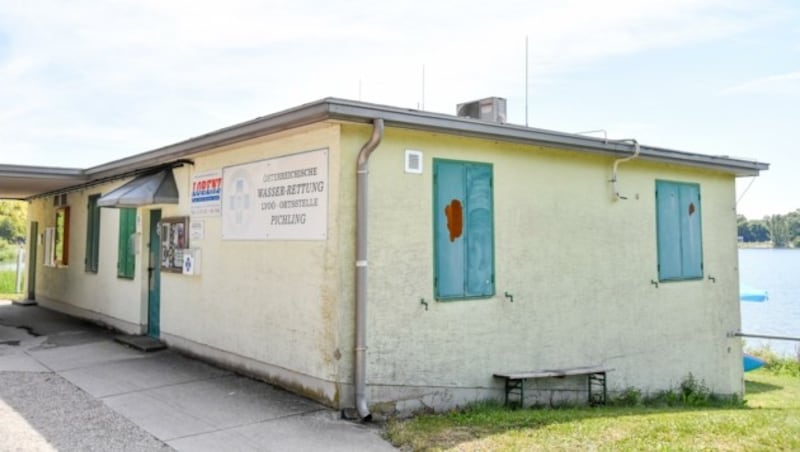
pixel 423 88
pixel 526 80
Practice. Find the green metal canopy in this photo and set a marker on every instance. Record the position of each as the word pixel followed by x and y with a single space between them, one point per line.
pixel 154 188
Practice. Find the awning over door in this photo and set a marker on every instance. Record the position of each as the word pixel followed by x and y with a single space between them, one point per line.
pixel 156 188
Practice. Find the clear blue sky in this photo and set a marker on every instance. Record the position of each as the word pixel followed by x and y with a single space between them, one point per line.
pixel 86 82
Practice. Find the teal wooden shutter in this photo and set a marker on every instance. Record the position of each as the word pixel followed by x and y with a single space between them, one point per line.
pixel 691 232
pixel 479 231
pixel 92 235
pixel 669 227
pixel 450 191
pixel 463 230
pixel 679 231
pixel 126 259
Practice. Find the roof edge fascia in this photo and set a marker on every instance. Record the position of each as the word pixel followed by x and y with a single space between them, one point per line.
pixel 284 120
pixel 421 120
pixel 361 112
pixel 7 170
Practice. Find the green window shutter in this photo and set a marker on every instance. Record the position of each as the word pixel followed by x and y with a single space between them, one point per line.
pixel 126 258
pixel 92 235
pixel 463 230
pixel 679 231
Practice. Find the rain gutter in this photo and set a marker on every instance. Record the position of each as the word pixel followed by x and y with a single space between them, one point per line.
pixel 362 179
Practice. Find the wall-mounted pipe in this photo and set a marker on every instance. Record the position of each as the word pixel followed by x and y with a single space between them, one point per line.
pixel 362 178
pixel 764 336
pixel 617 195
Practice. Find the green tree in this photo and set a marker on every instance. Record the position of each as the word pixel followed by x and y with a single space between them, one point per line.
pixel 793 224
pixel 13 219
pixel 778 230
pixel 758 231
pixel 752 231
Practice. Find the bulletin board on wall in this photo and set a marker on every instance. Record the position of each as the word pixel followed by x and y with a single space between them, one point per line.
pixel 174 234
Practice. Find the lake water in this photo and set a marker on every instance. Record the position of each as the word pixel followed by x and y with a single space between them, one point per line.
pixel 778 272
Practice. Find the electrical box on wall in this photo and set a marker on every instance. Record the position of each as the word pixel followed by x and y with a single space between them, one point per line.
pixel 192 261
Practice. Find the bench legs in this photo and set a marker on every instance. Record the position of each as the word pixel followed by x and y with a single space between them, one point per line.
pixel 597 382
pixel 598 390
pixel 517 386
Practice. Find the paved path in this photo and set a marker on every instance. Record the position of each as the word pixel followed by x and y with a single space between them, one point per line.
pixel 68 386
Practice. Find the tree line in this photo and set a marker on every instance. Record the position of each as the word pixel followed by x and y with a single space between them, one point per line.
pixel 13 227
pixel 782 230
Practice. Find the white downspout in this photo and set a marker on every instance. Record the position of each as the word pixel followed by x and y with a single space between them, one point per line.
pixel 617 195
pixel 362 177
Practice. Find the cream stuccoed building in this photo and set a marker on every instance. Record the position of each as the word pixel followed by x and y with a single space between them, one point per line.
pixel 393 260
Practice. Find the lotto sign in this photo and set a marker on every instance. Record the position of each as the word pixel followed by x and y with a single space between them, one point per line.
pixel 284 198
pixel 207 194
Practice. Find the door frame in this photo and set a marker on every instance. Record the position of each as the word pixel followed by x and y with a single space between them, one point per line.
pixel 33 250
pixel 153 306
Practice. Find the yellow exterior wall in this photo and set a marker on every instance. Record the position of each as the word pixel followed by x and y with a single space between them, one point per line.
pixel 578 264
pixel 269 308
pixel 269 302
pixel 102 295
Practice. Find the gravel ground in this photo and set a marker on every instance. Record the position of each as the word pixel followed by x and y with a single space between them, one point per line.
pixel 44 412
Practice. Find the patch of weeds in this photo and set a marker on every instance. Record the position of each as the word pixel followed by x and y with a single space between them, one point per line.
pixel 692 393
pixel 628 397
pixel 777 365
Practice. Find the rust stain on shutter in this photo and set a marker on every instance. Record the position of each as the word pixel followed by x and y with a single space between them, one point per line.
pixel 455 219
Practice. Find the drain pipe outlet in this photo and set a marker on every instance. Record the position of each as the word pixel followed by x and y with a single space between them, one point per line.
pixel 362 177
pixel 613 180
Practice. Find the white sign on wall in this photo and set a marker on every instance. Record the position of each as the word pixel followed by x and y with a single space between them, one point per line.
pixel 197 230
pixel 206 193
pixel 284 198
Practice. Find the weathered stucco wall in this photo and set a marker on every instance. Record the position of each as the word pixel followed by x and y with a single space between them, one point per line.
pixel 270 304
pixel 578 265
pixel 269 308
pixel 101 296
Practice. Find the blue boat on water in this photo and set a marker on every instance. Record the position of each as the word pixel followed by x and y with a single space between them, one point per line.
pixel 747 293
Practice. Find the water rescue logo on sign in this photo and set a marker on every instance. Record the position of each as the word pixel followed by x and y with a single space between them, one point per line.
pixel 207 194
pixel 284 198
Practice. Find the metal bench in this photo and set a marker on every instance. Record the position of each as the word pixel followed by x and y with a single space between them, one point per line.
pixel 596 376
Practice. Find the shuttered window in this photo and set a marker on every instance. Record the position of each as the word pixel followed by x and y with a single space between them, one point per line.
pixel 463 230
pixel 679 230
pixel 92 234
pixel 61 239
pixel 126 257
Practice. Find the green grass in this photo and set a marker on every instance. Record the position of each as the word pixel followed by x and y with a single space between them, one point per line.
pixel 8 282
pixel 778 364
pixel 768 420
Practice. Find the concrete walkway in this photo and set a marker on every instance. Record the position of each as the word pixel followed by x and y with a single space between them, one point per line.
pixel 66 385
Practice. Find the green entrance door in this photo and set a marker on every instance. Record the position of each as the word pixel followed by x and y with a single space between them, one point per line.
pixel 33 242
pixel 154 276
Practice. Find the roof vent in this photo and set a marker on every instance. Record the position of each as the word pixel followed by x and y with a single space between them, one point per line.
pixel 489 109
